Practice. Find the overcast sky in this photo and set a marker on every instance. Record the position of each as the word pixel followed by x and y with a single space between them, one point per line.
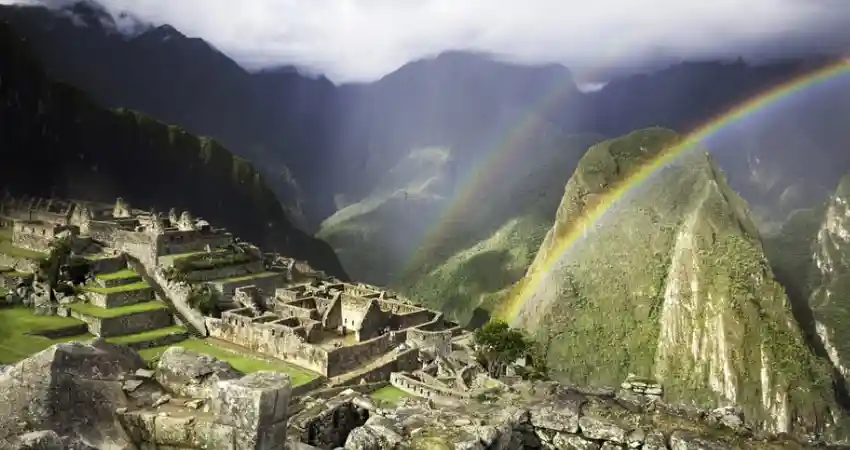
pixel 360 40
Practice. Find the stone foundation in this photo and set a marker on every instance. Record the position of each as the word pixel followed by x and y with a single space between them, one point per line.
pixel 121 298
pixel 132 323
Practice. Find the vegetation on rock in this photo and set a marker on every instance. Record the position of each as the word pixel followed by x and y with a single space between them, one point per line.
pixel 671 283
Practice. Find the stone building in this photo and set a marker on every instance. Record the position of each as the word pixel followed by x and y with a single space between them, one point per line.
pixel 334 328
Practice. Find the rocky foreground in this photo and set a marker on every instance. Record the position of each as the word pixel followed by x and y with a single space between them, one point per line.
pixel 101 396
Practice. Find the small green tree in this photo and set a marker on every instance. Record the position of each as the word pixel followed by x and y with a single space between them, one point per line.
pixel 204 299
pixel 498 345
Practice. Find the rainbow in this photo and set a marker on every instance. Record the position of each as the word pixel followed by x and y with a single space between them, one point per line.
pixel 493 166
pixel 529 285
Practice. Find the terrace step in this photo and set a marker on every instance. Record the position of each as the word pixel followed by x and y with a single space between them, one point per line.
pixel 124 320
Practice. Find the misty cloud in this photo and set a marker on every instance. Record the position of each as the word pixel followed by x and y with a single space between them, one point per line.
pixel 365 39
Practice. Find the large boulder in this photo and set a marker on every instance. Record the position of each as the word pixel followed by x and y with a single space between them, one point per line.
pixel 70 389
pixel 191 374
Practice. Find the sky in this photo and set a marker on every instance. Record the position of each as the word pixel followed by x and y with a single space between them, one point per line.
pixel 362 40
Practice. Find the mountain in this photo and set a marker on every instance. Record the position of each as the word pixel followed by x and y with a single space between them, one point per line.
pixel 265 118
pixel 56 141
pixel 671 283
pixel 829 285
pixel 314 140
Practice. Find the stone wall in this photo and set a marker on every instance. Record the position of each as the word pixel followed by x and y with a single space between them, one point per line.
pixel 12 282
pixel 175 293
pixel 412 386
pixel 405 361
pixel 102 231
pixel 18 263
pixel 372 323
pixel 413 318
pixel 344 359
pixel 236 270
pixel 139 245
pixel 176 242
pixel 267 339
pixel 439 341
pixel 120 298
pixel 115 282
pixel 107 264
pixel 132 323
pixel 246 413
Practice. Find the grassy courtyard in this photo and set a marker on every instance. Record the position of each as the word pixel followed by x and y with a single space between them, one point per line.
pixel 240 362
pixel 7 248
pixel 389 395
pixel 105 313
pixel 16 344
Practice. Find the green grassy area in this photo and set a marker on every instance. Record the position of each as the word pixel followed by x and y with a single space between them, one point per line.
pixel 16 344
pixel 389 395
pixel 239 362
pixel 5 234
pixel 246 277
pixel 147 335
pixel 14 273
pixel 3 291
pixel 7 248
pixel 121 274
pixel 104 313
pixel 121 288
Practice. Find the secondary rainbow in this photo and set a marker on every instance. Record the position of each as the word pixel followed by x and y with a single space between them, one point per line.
pixel 494 164
pixel 512 305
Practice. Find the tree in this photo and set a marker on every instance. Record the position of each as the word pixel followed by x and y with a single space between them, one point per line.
pixel 498 345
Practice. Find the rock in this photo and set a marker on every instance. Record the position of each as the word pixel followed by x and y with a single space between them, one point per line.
pixel 194 404
pixel 38 440
pixel 636 438
pixel 190 374
pixel 608 445
pixel 146 374
pixel 655 441
pixel 601 429
pixel 573 442
pixel 86 375
pixel 161 400
pixel 560 415
pixel 681 440
pixel 132 385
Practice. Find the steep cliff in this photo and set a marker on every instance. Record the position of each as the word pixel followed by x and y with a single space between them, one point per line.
pixel 672 283
pixel 54 141
pixel 830 284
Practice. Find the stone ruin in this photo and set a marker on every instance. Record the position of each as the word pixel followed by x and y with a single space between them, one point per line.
pixel 121 210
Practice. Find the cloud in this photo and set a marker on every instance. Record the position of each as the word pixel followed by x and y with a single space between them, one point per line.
pixel 365 39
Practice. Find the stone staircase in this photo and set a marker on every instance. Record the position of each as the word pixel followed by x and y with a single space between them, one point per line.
pixel 163 295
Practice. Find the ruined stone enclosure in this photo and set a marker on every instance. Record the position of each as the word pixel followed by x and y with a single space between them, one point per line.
pixel 332 328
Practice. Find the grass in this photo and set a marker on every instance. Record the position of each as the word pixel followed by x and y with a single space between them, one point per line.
pixel 5 234
pixel 246 277
pixel 7 248
pixel 147 335
pixel 120 275
pixel 389 395
pixel 121 288
pixel 16 344
pixel 105 313
pixel 15 273
pixel 239 362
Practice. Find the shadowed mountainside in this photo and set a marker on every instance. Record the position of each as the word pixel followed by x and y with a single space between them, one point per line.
pixel 58 142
